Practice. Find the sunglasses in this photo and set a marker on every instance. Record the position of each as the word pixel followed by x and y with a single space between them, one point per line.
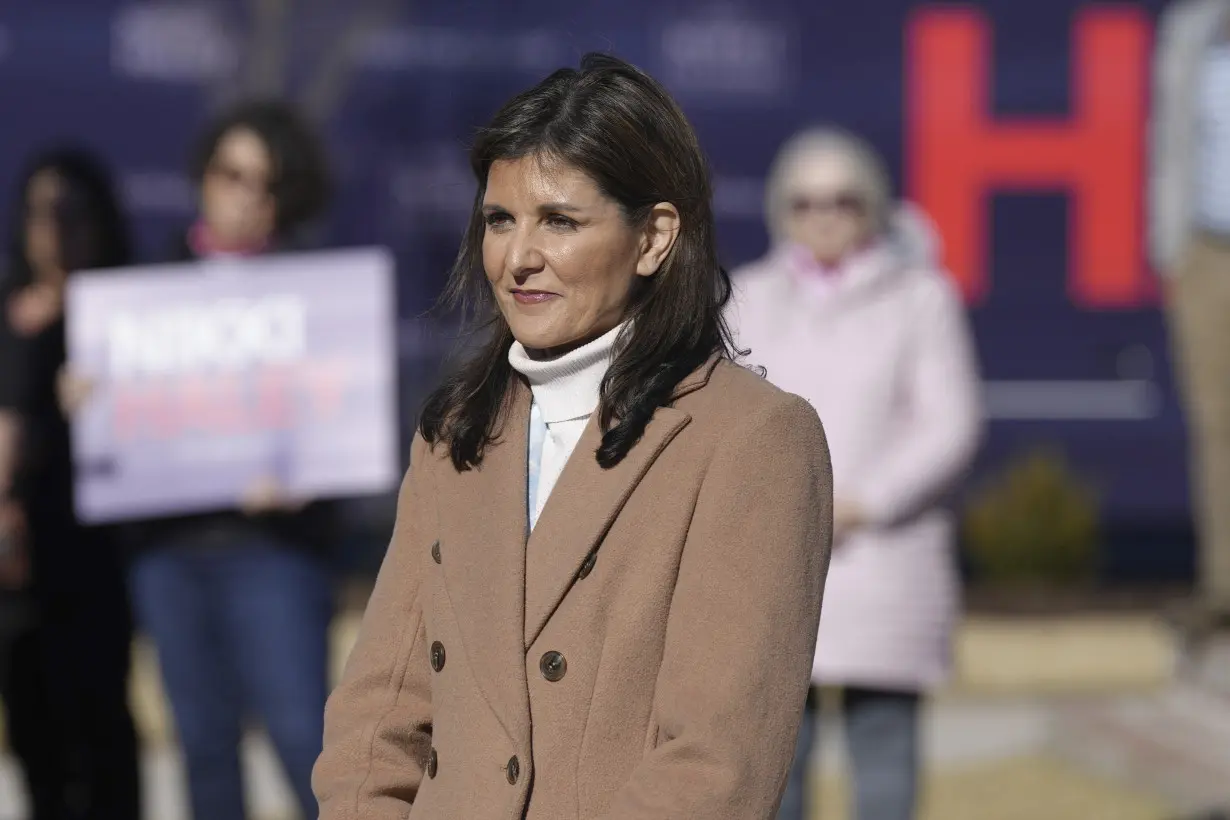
pixel 847 203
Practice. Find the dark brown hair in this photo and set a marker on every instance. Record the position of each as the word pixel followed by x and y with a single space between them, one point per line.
pixel 301 183
pixel 93 229
pixel 622 129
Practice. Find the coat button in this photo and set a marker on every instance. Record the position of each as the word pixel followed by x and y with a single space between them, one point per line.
pixel 588 566
pixel 513 770
pixel 435 552
pixel 437 656
pixel 433 762
pixel 553 666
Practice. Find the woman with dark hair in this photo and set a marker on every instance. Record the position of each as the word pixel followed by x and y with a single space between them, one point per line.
pixel 262 175
pixel 603 587
pixel 65 687
pixel 238 602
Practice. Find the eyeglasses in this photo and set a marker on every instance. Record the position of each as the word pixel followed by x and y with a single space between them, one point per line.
pixel 846 203
pixel 255 184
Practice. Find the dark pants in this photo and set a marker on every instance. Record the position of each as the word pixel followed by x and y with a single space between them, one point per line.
pixel 65 693
pixel 881 729
pixel 240 630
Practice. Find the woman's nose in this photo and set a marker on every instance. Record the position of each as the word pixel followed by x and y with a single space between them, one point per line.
pixel 523 256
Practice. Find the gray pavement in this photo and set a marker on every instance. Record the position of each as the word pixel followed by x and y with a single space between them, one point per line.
pixel 1176 741
pixel 1137 750
pixel 957 733
pixel 268 795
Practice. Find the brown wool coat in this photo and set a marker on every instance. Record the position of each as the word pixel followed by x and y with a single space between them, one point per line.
pixel 644 657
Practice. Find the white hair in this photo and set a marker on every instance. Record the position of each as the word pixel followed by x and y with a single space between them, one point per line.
pixel 806 146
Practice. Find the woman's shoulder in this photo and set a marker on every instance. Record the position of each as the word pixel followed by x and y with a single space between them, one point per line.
pixel 928 289
pixel 741 423
pixel 917 250
pixel 755 291
pixel 754 275
pixel 736 395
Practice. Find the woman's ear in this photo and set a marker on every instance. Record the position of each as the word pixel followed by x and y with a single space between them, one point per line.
pixel 661 231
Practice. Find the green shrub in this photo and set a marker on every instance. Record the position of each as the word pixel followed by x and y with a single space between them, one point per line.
pixel 1036 522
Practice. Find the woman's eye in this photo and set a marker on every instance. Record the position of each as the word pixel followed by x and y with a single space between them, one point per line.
pixel 495 220
pixel 560 221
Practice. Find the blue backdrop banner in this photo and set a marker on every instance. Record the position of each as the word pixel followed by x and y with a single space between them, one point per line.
pixel 1018 125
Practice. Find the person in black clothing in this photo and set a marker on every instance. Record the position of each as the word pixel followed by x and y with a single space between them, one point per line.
pixel 239 602
pixel 65 678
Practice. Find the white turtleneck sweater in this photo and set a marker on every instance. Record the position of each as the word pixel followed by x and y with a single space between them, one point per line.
pixel 566 393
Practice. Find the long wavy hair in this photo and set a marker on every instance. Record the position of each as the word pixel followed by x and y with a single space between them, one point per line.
pixel 93 230
pixel 622 129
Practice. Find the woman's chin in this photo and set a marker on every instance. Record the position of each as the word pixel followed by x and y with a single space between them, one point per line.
pixel 547 350
pixel 532 338
pixel 546 344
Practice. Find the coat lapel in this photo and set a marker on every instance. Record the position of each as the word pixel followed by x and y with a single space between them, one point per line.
pixel 584 503
pixel 484 566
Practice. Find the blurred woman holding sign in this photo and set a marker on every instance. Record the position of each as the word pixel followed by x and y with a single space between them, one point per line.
pixel 239 602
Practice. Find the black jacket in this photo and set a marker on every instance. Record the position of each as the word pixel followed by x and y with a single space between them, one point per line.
pixel 71 564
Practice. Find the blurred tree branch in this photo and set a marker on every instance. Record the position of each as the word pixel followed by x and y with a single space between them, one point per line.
pixel 269 49
pixel 325 89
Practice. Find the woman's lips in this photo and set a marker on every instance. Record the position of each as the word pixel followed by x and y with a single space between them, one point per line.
pixel 533 297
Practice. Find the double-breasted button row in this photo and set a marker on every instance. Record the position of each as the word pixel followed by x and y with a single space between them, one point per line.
pixel 437 656
pixel 512 770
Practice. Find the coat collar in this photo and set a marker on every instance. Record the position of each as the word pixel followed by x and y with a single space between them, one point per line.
pixel 582 507
pixel 503 600
pixel 863 276
pixel 482 522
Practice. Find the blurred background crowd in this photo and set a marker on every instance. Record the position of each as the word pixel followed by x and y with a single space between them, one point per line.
pixel 990 241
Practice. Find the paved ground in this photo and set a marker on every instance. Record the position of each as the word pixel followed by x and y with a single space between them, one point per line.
pixel 1023 788
pixel 990 759
pixel 1080 719
pixel 993 759
pixel 1175 741
pixel 163 786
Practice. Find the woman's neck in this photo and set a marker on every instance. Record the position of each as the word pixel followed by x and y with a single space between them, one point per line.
pixel 546 354
pixel 54 278
pixel 567 385
pixel 205 242
pixel 810 262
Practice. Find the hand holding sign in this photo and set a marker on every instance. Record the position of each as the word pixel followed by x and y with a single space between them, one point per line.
pixel 72 390
pixel 848 517
pixel 266 496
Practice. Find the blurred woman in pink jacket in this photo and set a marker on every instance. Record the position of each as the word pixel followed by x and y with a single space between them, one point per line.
pixel 850 311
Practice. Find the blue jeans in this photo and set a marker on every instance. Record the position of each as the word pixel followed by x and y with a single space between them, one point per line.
pixel 881 729
pixel 240 630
